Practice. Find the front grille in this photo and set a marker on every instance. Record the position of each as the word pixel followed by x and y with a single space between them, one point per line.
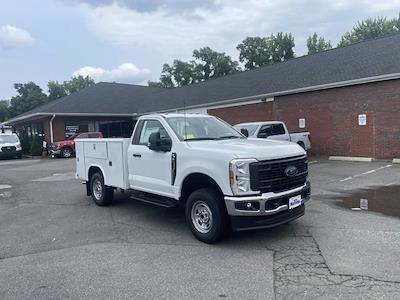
pixel 269 175
pixel 8 149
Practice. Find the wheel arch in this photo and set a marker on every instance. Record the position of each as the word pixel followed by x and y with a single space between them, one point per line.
pixel 93 169
pixel 195 181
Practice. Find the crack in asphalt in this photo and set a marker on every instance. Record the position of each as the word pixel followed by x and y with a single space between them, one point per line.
pixel 301 272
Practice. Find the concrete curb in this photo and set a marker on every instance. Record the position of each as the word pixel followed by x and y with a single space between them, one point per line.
pixel 351 158
pixel 396 160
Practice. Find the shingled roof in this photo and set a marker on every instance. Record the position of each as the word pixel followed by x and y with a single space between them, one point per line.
pixel 373 60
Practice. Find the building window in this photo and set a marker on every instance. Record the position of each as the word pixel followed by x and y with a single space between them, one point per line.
pixel 117 128
pixel 74 128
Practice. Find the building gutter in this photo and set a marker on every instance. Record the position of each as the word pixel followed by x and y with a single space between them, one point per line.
pixel 51 129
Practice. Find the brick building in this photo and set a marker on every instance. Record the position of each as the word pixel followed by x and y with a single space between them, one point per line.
pixel 348 97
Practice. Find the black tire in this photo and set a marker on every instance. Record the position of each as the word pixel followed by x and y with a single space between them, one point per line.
pixel 301 144
pixel 19 156
pixel 102 195
pixel 66 152
pixel 206 202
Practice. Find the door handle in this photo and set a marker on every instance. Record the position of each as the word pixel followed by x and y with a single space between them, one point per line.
pixel 137 155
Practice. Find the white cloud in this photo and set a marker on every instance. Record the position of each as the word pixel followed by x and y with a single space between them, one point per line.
pixel 224 25
pixel 13 37
pixel 124 73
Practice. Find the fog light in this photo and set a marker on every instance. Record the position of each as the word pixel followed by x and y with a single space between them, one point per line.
pixel 249 206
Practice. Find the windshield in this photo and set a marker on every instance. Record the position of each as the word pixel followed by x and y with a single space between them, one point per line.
pixel 202 128
pixel 250 128
pixel 9 139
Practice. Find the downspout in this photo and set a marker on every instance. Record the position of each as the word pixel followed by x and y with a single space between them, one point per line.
pixel 51 129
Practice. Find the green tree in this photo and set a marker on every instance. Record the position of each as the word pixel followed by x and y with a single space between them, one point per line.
pixel 166 77
pixel 370 29
pixel 77 83
pixel 213 64
pixel 258 51
pixel 56 90
pixel 155 84
pixel 317 44
pixel 29 95
pixel 4 110
pixel 207 64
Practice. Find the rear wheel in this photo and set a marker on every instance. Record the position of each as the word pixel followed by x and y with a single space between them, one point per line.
pixel 66 152
pixel 206 215
pixel 102 195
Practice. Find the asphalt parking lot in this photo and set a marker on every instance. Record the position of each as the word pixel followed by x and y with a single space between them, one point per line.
pixel 56 244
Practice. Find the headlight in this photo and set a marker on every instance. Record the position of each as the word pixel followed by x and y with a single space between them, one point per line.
pixel 239 176
pixel 18 146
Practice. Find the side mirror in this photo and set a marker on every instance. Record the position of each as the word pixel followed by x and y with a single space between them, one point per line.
pixel 245 132
pixel 156 143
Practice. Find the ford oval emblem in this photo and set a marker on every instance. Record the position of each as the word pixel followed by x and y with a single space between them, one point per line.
pixel 291 171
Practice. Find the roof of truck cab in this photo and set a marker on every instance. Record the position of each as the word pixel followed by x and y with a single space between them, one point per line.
pixel 260 123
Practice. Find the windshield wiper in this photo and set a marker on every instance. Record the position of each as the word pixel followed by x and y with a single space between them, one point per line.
pixel 229 137
pixel 200 139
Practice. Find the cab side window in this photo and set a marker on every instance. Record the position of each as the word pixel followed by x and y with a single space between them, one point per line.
pixel 265 131
pixel 278 129
pixel 271 129
pixel 149 127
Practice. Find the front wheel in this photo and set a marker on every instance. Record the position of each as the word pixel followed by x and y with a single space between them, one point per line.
pixel 102 194
pixel 206 215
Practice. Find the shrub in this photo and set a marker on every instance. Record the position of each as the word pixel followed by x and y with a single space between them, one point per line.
pixel 36 146
pixel 25 142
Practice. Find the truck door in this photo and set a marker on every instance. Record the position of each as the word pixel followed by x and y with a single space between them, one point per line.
pixel 149 170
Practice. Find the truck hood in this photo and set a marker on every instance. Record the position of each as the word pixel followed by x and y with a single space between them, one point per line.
pixel 260 149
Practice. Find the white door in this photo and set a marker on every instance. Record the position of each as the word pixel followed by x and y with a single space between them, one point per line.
pixel 149 170
pixel 80 160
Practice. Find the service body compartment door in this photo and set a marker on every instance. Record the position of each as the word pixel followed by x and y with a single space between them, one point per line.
pixel 95 148
pixel 80 160
pixel 116 174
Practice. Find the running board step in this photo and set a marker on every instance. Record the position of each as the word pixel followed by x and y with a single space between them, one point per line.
pixel 154 199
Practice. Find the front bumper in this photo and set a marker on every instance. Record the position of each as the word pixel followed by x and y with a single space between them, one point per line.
pixel 8 154
pixel 54 152
pixel 266 210
pixel 259 222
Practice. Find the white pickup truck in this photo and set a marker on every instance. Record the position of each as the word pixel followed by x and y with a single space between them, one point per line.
pixel 224 180
pixel 275 130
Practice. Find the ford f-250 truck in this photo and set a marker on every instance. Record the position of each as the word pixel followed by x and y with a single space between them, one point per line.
pixel 275 130
pixel 224 180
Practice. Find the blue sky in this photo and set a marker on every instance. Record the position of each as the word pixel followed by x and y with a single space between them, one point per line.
pixel 129 40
